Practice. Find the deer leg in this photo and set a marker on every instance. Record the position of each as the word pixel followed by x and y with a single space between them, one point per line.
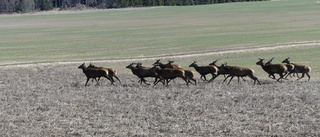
pixel 159 79
pixel 213 77
pixel 226 78
pixel 258 80
pixel 243 79
pixel 117 78
pixel 308 76
pixel 167 81
pixel 111 79
pixel 185 79
pixel 230 80
pixel 273 77
pixel 288 75
pixel 155 80
pixel 281 77
pixel 255 79
pixel 205 78
pixel 201 77
pixel 140 81
pixel 195 82
pixel 144 81
pixel 301 76
pixel 107 77
pixel 96 81
pixel 86 82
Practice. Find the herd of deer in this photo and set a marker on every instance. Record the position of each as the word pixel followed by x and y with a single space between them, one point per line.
pixel 166 72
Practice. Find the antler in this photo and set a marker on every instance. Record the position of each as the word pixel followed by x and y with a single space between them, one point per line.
pixel 215 61
pixel 270 61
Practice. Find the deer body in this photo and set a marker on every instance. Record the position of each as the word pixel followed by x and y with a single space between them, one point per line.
pixel 111 72
pixel 143 72
pixel 94 73
pixel 272 69
pixel 298 68
pixel 170 73
pixel 239 72
pixel 204 70
pixel 222 71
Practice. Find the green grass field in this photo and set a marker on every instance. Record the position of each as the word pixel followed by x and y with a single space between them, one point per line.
pixel 159 31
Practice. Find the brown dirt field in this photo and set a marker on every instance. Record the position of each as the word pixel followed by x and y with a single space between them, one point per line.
pixel 50 99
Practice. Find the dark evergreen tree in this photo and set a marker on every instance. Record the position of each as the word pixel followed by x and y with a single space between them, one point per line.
pixel 46 5
pixel 9 6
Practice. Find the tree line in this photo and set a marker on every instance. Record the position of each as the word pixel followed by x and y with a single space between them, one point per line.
pixel 12 6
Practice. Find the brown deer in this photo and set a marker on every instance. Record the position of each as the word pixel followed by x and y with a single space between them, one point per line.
pixel 204 70
pixel 170 73
pixel 239 72
pixel 272 69
pixel 188 73
pixel 94 73
pixel 143 72
pixel 298 68
pixel 290 68
pixel 221 71
pixel 112 72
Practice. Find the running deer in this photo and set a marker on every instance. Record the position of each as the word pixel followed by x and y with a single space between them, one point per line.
pixel 272 69
pixel 143 72
pixel 221 71
pixel 111 72
pixel 94 73
pixel 239 72
pixel 299 68
pixel 204 70
pixel 170 73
